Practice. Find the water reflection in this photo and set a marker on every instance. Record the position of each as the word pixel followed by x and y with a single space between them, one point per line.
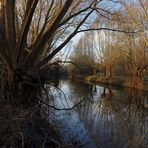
pixel 109 118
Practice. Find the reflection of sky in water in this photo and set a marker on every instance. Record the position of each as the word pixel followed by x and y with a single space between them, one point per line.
pixel 105 121
pixel 75 130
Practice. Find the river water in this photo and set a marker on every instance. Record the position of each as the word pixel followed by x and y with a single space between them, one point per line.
pixel 108 117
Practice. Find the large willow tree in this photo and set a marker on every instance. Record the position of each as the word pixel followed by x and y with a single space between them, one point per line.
pixel 32 32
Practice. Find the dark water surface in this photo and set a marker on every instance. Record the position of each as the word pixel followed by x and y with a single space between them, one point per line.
pixel 107 118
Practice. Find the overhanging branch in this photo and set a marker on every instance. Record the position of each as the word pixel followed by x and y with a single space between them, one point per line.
pixel 50 106
pixel 39 45
pixel 107 29
pixel 48 58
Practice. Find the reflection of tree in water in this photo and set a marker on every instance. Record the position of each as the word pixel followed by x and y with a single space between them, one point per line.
pixel 80 89
pixel 117 119
pixel 107 118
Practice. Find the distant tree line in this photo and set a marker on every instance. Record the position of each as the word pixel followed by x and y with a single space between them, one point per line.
pixel 115 53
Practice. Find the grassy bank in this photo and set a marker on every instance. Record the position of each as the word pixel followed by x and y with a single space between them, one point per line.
pixel 119 81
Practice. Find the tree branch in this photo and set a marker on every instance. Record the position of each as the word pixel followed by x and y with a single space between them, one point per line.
pixel 39 45
pixel 107 29
pixel 10 22
pixel 7 25
pixel 48 58
pixel 50 106
pixel 67 62
pixel 31 5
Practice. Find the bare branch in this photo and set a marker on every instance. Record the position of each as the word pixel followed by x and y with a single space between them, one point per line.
pixel 39 46
pixel 31 5
pixel 48 58
pixel 107 29
pixel 50 106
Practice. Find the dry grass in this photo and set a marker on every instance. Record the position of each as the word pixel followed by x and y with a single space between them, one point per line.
pixel 136 84
pixel 21 127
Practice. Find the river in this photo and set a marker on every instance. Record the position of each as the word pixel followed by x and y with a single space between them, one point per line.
pixel 108 117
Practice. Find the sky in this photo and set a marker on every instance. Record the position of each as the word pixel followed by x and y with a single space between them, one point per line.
pixel 75 40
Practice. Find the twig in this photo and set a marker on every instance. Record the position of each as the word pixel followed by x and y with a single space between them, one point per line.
pixel 22 136
pixel 58 89
pixel 62 108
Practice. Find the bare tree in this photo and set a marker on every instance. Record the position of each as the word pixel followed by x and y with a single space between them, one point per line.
pixel 136 45
pixel 83 55
pixel 33 32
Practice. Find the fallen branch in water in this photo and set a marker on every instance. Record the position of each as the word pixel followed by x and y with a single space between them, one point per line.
pixel 63 108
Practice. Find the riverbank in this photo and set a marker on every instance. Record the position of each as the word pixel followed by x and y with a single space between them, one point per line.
pixel 118 81
pixel 26 127
pixel 106 109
